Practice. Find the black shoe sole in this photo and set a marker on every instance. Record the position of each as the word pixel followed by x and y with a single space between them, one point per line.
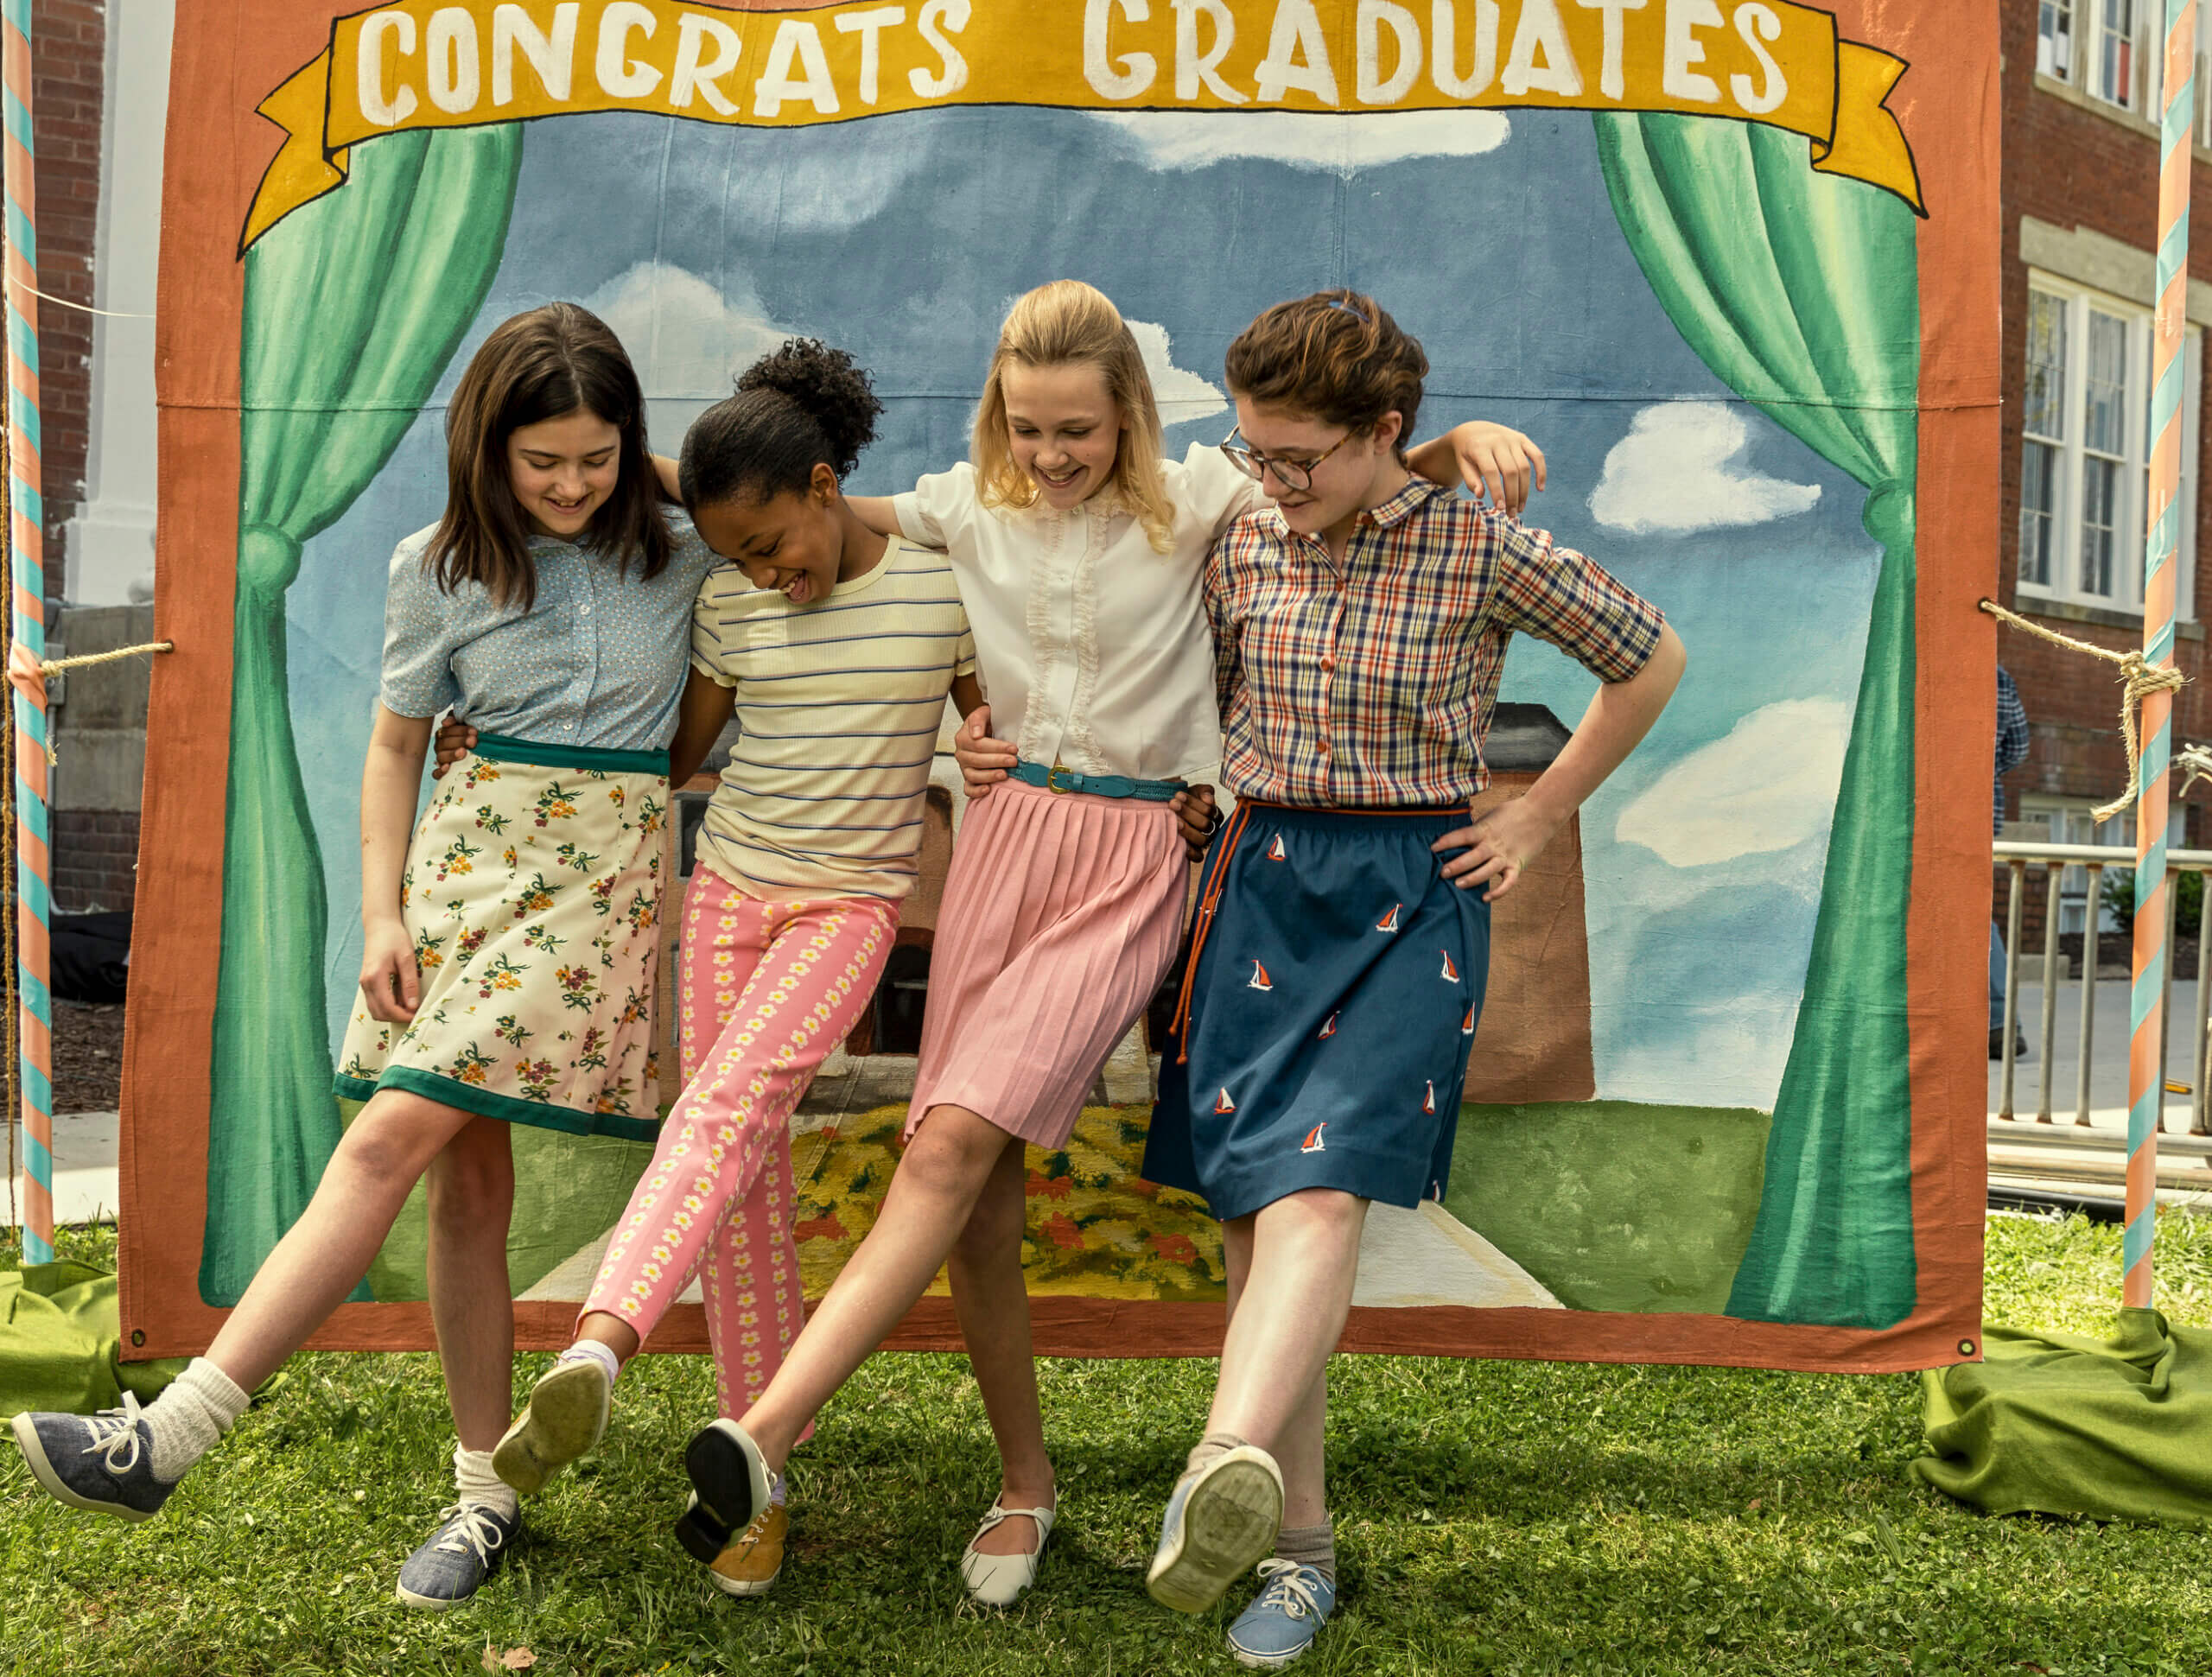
pixel 728 1491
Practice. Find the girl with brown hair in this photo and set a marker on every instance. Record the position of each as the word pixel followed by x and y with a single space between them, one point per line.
pixel 1360 622
pixel 509 948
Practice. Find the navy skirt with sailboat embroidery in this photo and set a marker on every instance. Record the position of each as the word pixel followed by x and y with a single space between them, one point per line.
pixel 1335 981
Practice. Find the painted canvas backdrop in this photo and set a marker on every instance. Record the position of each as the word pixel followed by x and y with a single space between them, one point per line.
pixel 1768 398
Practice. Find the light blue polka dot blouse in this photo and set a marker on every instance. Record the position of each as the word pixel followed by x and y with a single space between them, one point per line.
pixel 599 660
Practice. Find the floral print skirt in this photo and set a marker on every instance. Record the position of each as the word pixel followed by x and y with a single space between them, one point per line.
pixel 532 893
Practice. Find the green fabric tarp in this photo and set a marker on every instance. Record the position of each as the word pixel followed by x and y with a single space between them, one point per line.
pixel 2051 1423
pixel 62 1342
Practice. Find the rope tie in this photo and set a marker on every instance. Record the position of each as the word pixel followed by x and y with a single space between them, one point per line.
pixel 2139 678
pixel 27 673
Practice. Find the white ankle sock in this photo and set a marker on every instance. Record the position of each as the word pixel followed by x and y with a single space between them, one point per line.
pixel 197 1407
pixel 591 1351
pixel 476 1482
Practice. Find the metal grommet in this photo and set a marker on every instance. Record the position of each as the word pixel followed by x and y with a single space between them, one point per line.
pixel 138 1337
pixel 1967 1348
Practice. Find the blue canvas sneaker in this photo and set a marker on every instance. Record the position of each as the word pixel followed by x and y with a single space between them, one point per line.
pixel 1221 1521
pixel 1281 1623
pixel 102 1462
pixel 455 1559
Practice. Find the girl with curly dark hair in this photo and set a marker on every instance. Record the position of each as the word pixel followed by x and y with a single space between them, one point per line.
pixel 835 648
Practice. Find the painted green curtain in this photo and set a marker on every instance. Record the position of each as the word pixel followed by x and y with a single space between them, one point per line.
pixel 1801 291
pixel 353 307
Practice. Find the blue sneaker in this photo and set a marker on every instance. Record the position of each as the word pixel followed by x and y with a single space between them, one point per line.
pixel 1281 1623
pixel 1221 1522
pixel 455 1559
pixel 102 1462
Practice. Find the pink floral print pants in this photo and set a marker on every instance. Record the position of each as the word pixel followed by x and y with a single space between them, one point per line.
pixel 765 991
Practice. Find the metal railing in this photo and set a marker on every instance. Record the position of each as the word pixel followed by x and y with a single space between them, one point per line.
pixel 2055 860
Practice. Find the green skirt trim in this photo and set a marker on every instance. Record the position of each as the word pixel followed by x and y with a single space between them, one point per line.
pixel 490 1104
pixel 498 749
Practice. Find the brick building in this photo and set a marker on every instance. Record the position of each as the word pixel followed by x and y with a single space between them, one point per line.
pixel 99 96
pixel 2080 207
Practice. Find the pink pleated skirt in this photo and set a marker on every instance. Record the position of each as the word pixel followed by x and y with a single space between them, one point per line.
pixel 1061 918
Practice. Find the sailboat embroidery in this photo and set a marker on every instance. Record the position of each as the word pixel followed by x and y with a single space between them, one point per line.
pixel 1429 1104
pixel 1467 1025
pixel 1223 1104
pixel 1389 922
pixel 1260 981
pixel 1450 974
pixel 1276 852
pixel 1313 1142
pixel 1328 1030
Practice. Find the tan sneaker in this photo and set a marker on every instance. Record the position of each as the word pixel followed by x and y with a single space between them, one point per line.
pixel 754 1559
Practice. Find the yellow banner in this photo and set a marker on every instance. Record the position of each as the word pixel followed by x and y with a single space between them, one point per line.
pixel 421 64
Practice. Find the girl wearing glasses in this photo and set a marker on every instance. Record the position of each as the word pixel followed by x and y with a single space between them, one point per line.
pixel 1078 551
pixel 1360 626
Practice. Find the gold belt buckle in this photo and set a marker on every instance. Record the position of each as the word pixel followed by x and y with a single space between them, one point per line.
pixel 1056 769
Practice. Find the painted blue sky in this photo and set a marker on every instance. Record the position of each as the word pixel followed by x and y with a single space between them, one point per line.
pixel 902 240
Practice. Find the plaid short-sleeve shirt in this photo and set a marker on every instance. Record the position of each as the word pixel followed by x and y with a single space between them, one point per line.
pixel 1372 684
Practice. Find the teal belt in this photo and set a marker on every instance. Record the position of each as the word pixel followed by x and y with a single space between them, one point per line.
pixel 1057 780
pixel 500 748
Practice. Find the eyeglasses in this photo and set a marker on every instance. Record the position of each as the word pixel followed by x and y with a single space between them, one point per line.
pixel 1291 473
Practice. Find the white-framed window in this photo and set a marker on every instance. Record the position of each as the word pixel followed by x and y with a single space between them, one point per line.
pixel 2097 45
pixel 2069 821
pixel 2043 425
pixel 2085 449
pixel 2111 77
pixel 2055 39
pixel 2112 50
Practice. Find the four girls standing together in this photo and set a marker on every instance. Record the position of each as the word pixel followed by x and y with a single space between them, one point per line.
pixel 1307 616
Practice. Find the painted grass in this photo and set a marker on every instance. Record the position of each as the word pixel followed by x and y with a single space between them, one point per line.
pixel 1614 1206
pixel 1493 1518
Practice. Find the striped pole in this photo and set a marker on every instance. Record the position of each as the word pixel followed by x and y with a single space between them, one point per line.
pixel 27 569
pixel 2145 1071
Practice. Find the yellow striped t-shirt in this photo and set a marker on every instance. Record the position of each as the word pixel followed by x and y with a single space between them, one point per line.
pixel 837 706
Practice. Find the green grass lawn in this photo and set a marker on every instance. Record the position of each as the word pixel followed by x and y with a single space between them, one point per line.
pixel 1508 1518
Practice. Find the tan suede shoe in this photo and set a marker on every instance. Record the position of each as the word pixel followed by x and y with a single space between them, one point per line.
pixel 749 1565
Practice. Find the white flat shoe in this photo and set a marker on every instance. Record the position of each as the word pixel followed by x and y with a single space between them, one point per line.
pixel 998 1580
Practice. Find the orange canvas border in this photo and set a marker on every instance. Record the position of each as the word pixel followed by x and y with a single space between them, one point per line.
pixel 229 53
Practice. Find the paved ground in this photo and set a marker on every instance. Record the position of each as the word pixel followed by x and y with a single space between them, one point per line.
pixel 2107 1056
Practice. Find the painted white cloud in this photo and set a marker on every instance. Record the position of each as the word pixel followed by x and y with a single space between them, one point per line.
pixel 687 339
pixel 1768 784
pixel 1310 140
pixel 1681 467
pixel 1182 395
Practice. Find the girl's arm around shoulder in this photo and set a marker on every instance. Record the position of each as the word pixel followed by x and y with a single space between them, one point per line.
pixel 1498 464
pixel 701 716
pixel 879 512
pixel 391 779
pixel 935 513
